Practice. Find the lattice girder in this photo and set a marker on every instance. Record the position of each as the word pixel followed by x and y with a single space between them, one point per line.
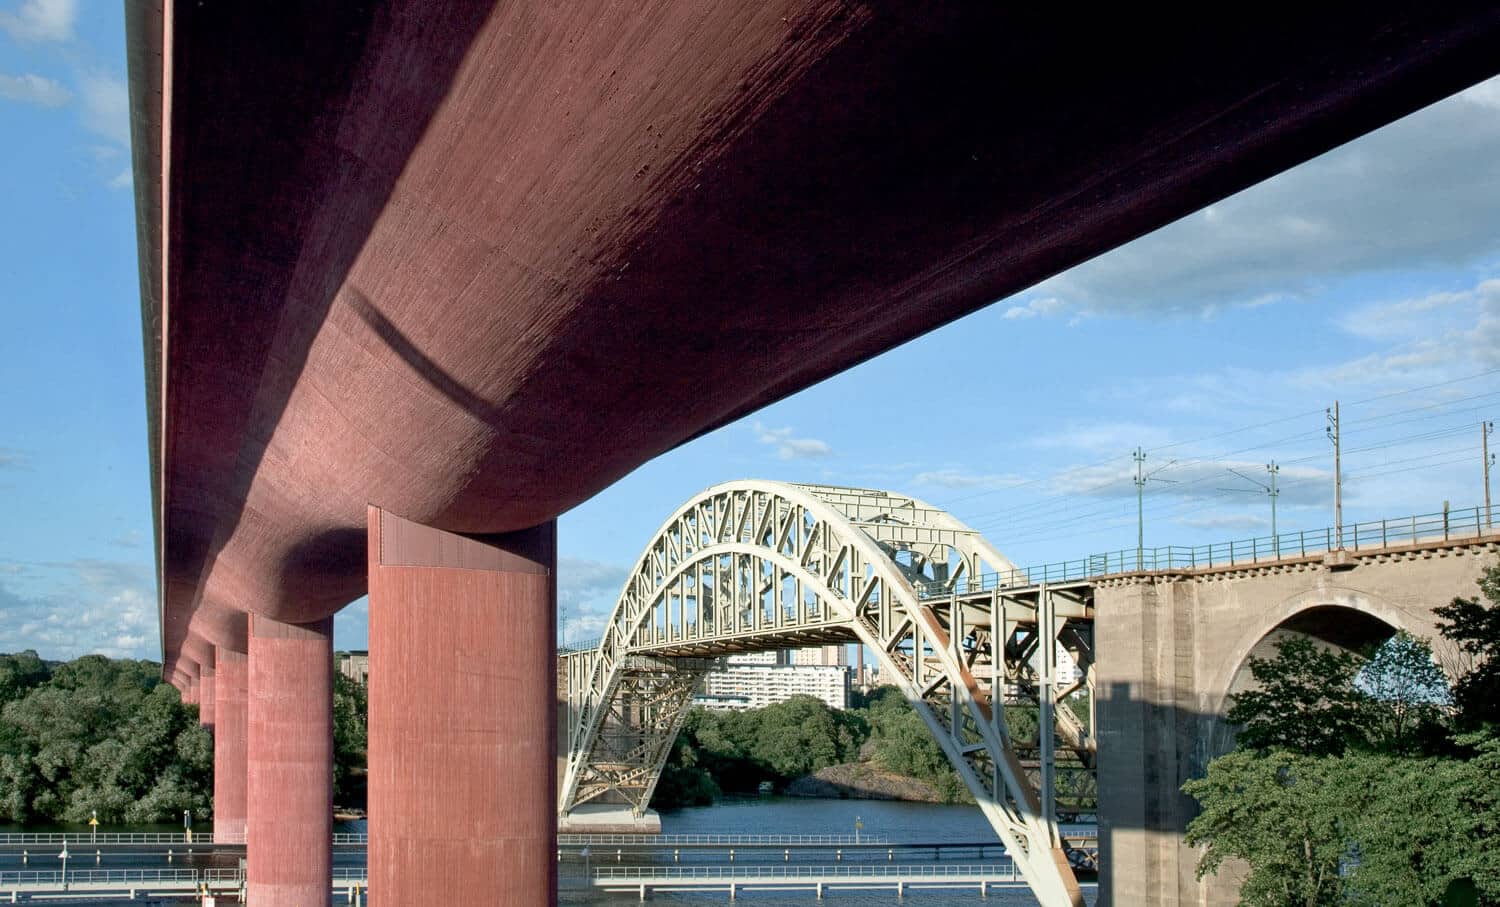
pixel 757 565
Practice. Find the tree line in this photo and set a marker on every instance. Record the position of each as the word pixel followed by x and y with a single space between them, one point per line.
pixel 718 752
pixel 1364 779
pixel 107 737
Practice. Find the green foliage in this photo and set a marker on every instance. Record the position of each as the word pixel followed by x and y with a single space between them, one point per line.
pixel 101 735
pixel 1348 788
pixel 1475 627
pixel 351 709
pixel 1281 813
pixel 1405 694
pixel 1413 830
pixel 19 673
pixel 736 751
pixel 1305 700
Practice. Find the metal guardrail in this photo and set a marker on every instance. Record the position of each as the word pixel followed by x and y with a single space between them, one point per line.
pixel 96 876
pixel 722 840
pixel 12 879
pixel 17 839
pixel 119 839
pixel 637 874
pixel 1450 525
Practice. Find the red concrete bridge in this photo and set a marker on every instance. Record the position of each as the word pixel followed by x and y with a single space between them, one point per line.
pixel 408 272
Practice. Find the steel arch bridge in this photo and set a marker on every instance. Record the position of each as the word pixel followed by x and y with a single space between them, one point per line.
pixel 755 565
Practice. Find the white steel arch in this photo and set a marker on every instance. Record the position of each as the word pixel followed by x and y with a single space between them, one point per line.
pixel 754 565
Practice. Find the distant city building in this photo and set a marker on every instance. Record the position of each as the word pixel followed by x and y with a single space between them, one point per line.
pixel 1067 668
pixel 821 655
pixel 772 657
pixel 355 666
pixel 741 685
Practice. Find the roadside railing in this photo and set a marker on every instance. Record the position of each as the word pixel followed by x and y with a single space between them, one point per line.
pixel 719 839
pixel 1447 525
pixel 1006 870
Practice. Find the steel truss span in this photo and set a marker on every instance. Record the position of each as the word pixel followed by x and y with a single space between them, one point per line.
pixel 753 565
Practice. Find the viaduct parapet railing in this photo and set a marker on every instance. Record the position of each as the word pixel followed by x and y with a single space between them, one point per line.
pixel 818 879
pixel 1446 526
pixel 145 839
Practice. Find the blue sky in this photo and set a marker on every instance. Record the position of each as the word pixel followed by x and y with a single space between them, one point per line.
pixel 1371 275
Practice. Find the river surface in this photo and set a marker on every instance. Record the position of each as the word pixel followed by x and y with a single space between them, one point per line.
pixel 892 822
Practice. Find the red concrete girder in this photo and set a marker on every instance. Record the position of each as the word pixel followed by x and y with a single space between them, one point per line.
pixel 463 785
pixel 231 729
pixel 455 264
pixel 289 791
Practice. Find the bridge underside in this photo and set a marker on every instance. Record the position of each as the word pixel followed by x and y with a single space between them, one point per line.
pixel 471 264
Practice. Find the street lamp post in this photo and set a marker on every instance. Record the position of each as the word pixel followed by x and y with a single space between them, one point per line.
pixel 857 826
pixel 64 857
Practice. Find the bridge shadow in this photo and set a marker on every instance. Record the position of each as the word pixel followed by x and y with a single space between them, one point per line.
pixel 1147 751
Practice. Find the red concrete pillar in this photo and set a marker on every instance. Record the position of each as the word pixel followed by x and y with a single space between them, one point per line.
pixel 206 695
pixel 289 840
pixel 463 787
pixel 231 673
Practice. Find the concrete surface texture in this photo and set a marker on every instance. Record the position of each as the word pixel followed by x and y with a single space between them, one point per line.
pixel 463 795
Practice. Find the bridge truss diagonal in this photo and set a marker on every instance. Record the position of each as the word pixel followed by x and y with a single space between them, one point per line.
pixel 756 565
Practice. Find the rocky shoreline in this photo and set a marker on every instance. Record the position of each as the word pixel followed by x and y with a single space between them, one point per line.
pixel 862 781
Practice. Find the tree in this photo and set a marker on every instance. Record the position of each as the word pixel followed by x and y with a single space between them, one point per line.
pixel 1405 694
pixel 350 738
pixel 1475 627
pixel 19 673
pixel 1305 701
pixel 1280 812
pixel 1412 830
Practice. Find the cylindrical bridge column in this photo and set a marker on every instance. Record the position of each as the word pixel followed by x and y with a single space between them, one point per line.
pixel 289 839
pixel 463 788
pixel 231 673
pixel 206 675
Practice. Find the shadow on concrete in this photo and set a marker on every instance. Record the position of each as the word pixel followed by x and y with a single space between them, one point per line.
pixel 263 241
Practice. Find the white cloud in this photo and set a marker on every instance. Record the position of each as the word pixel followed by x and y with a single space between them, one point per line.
pixel 1418 193
pixel 10 458
pixel 957 478
pixel 1226 522
pixel 130 538
pixel 122 180
pixel 790 447
pixel 1194 479
pixel 30 88
pixel 106 107
pixel 586 593
pixel 90 606
pixel 41 20
pixel 1047 305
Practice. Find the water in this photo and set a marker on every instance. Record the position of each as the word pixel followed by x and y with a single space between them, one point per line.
pixel 895 822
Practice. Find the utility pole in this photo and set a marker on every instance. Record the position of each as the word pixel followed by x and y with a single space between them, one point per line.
pixel 1271 490
pixel 1141 478
pixel 1273 469
pixel 1140 520
pixel 1338 478
pixel 1485 429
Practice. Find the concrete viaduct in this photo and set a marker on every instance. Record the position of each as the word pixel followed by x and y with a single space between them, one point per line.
pixel 417 278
